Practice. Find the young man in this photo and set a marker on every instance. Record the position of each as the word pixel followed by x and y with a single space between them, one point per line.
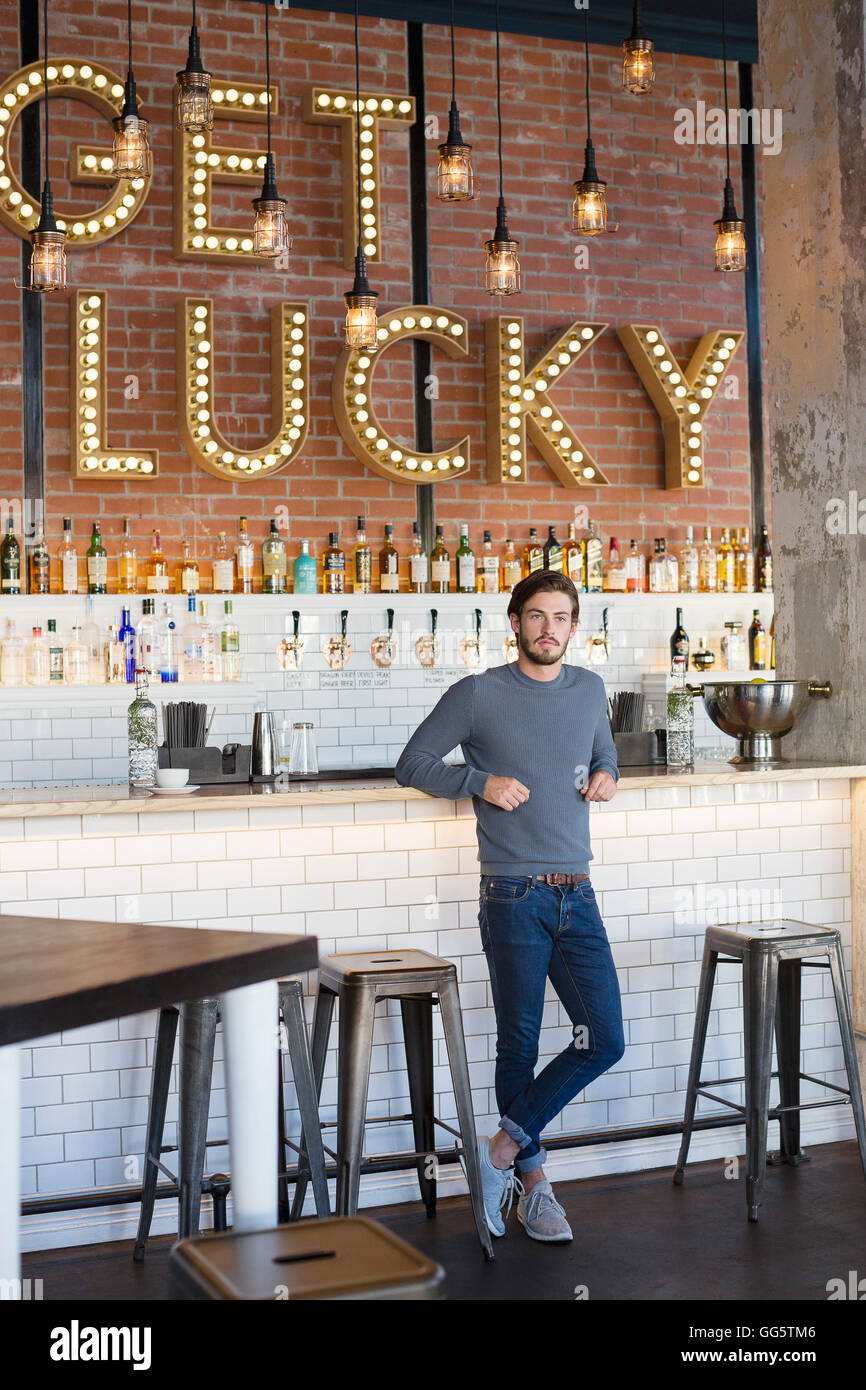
pixel 538 748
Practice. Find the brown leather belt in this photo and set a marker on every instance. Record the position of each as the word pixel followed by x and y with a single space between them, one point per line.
pixel 569 879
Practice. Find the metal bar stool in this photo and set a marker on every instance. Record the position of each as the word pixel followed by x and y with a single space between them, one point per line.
pixel 418 980
pixel 772 955
pixel 198 1020
pixel 343 1257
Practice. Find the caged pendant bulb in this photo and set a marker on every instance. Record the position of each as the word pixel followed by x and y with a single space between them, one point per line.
pixel 455 176
pixel 730 235
pixel 502 271
pixel 193 101
pixel 638 67
pixel 589 209
pixel 131 153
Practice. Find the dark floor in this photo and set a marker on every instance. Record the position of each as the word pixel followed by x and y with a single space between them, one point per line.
pixel 636 1237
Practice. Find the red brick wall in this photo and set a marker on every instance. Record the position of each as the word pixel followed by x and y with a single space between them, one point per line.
pixel 658 266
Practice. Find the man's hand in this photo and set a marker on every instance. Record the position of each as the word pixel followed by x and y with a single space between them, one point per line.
pixel 600 787
pixel 506 792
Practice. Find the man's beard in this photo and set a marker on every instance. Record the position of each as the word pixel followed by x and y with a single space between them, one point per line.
pixel 542 656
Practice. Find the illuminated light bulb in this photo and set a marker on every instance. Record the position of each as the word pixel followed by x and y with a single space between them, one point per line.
pixel 674 378
pixel 705 392
pixel 694 408
pixel 694 443
pixel 658 350
pixel 455 176
pixel 589 208
pixel 396 455
pixel 712 379
pixel 695 428
pixel 459 461
pixel 729 343
pixel 323 99
pixel 681 391
pixel 665 366
pixel 131 153
pixel 652 336
pixel 730 249
pixel 589 472
pixel 426 465
pixel 47 270
pixel 502 270
pixel 443 464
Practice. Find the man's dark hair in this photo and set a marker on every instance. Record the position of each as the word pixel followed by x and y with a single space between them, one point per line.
pixel 543 579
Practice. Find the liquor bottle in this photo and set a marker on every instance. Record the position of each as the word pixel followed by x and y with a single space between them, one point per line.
pixel 12 660
pixel 168 672
pixel 734 648
pixel 552 551
pixel 593 554
pixel 10 560
pixel 703 658
pixel 689 567
pixel 757 644
pixel 635 570
pixel 362 563
pixel 487 581
pixel 658 567
pixel 773 643
pixel 440 566
pixel 115 658
pixel 764 565
pixel 223 570
pixel 680 717
pixel 210 665
pixel 186 576
pixel 191 667
pixel 680 641
pixel 39 564
pixel 672 572
pixel 613 573
pixel 96 561
pixel 126 636
pixel 572 559
pixel 726 574
pixel 230 646
pixel 419 569
pixel 334 566
pixel 245 558
pixel 465 563
pixel 127 568
pixel 157 569
pixel 274 562
pixel 37 660
pixel 55 655
pixel 389 564
pixel 304 571
pixel 707 565
pixel 141 728
pixel 92 638
pixel 76 659
pixel 67 559
pixel 745 564
pixel 533 554
pixel 147 653
pixel 512 570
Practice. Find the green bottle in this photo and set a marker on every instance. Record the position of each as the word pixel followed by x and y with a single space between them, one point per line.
pixel 10 560
pixel 465 563
pixel 97 563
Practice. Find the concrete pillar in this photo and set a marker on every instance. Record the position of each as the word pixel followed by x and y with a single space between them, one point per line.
pixel 814 273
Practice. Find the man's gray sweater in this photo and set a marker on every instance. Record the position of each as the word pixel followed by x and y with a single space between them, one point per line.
pixel 548 734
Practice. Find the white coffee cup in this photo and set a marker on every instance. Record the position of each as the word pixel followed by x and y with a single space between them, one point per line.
pixel 172 776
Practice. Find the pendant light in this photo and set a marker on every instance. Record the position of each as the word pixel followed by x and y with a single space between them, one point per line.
pixel 730 229
pixel 270 237
pixel 48 253
pixel 589 209
pixel 502 272
pixel 362 324
pixel 193 101
pixel 638 69
pixel 455 177
pixel 131 145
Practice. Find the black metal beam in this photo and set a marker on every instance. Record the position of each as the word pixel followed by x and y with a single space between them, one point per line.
pixel 33 480
pixel 422 355
pixel 754 367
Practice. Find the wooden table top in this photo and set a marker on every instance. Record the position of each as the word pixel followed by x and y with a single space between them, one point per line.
pixel 57 974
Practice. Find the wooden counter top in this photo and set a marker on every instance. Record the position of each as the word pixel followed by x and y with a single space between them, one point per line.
pixel 88 800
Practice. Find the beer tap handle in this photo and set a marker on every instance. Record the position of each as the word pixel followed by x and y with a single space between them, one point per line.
pixel 390 622
pixel 296 618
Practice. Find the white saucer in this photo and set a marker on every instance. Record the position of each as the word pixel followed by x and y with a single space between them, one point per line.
pixel 174 791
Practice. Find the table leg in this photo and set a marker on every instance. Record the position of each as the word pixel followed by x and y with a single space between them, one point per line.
pixel 252 1050
pixel 10 1172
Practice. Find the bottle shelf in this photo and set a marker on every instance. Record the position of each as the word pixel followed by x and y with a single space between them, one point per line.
pixel 44 605
pixel 221 692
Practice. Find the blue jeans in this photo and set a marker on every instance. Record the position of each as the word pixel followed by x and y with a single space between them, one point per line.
pixel 530 931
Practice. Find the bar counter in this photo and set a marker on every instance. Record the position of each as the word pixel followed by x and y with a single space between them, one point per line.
pixel 365 864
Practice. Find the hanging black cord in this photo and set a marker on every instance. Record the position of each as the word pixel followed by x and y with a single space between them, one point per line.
pixel 586 52
pixel 453 66
pixel 193 14
pixel 725 74
pixel 358 120
pixel 129 29
pixel 267 71
pixel 499 100
pixel 45 76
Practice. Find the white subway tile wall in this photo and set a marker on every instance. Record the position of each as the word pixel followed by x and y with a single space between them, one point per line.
pixel 405 874
pixel 363 715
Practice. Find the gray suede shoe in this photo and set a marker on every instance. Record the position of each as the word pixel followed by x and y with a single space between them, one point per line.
pixel 541 1216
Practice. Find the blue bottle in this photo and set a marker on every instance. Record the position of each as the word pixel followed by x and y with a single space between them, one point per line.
pixel 168 671
pixel 305 572
pixel 126 635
